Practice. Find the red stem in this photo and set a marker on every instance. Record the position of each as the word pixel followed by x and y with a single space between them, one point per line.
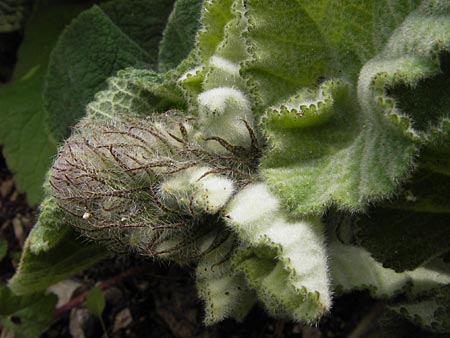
pixel 81 298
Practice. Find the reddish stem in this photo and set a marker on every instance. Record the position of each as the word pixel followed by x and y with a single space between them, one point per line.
pixel 81 298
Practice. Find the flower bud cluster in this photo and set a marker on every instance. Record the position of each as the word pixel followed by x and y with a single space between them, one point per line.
pixel 153 185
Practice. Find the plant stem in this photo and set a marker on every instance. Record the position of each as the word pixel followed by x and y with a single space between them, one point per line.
pixel 81 298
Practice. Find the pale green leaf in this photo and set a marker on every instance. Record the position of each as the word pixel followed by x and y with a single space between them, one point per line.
pixel 136 92
pixel 95 301
pixel 347 142
pixel 352 268
pixel 332 39
pixel 215 15
pixel 284 261
pixel 224 292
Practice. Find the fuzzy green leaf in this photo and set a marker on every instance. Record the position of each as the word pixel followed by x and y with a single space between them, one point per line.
pixel 352 268
pixel 143 21
pixel 28 148
pixel 284 261
pixel 53 251
pixel 348 142
pixel 331 39
pixel 224 292
pixel 136 92
pixel 36 272
pixel 69 254
pixel 98 43
pixel 215 15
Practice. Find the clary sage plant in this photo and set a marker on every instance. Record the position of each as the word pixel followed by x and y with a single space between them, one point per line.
pixel 300 151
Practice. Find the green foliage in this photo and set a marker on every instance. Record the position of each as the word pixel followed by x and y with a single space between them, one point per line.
pixel 284 112
pixel 178 38
pixel 25 316
pixel 95 301
pixel 429 310
pixel 138 92
pixel 366 145
pixel 98 43
pixel 68 255
pixel 52 252
pixel 414 237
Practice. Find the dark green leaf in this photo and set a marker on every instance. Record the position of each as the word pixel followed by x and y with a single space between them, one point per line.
pixel 426 192
pixel 42 31
pixel 52 252
pixel 404 239
pixel 430 310
pixel 143 21
pixel 428 101
pixel 28 147
pixel 98 43
pixel 179 35
pixel 68 256
pixel 26 316
pixel 393 325
pixel 411 229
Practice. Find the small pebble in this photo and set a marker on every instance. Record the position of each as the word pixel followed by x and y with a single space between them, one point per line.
pixel 122 320
pixel 18 231
pixel 6 187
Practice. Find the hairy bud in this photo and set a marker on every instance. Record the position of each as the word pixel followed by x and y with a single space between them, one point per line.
pixel 148 183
